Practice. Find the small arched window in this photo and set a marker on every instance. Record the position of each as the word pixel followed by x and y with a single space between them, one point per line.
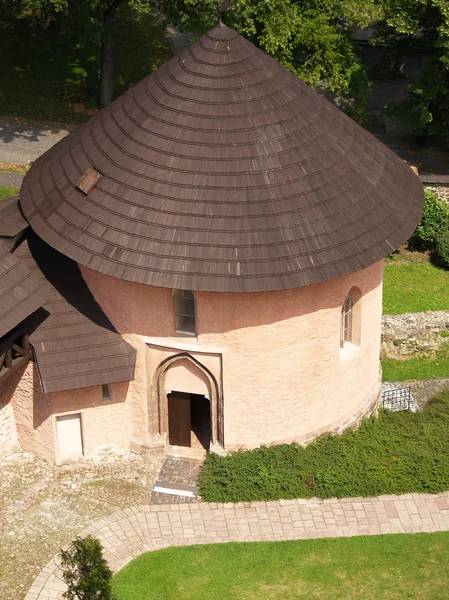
pixel 185 317
pixel 346 321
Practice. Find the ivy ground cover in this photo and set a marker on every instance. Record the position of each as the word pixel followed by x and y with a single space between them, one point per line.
pixel 392 454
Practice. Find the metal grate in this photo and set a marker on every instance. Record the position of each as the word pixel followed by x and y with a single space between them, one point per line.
pixel 397 399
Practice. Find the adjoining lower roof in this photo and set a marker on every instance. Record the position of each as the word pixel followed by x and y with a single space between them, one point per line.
pixel 12 221
pixel 21 293
pixel 222 171
pixel 75 346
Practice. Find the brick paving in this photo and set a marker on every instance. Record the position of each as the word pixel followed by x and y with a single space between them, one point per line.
pixel 126 534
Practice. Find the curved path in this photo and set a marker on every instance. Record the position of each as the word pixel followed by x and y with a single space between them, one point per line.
pixel 10 179
pixel 128 533
pixel 23 140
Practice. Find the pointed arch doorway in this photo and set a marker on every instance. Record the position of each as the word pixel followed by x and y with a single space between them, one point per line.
pixel 189 403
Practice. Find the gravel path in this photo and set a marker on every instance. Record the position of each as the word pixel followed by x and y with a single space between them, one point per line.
pixel 42 507
pixel 24 140
pixel 130 532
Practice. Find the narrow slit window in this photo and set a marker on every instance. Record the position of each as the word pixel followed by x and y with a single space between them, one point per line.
pixel 185 317
pixel 106 391
pixel 346 321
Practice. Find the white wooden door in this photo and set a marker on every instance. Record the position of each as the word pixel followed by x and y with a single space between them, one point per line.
pixel 68 428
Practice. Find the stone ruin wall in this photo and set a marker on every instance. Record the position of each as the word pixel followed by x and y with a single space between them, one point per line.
pixel 414 333
pixel 440 191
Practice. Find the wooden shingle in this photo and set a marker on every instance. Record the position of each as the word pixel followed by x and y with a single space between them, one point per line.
pixel 75 345
pixel 12 221
pixel 21 293
pixel 222 171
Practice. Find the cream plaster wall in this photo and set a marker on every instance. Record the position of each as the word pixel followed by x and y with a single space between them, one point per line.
pixel 182 376
pixel 8 431
pixel 276 355
pixel 105 424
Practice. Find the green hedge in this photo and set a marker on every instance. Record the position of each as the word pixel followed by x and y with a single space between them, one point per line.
pixel 395 453
pixel 442 250
pixel 434 221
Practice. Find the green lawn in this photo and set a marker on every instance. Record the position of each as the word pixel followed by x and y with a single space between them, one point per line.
pixel 37 63
pixel 417 368
pixel 392 454
pixel 414 287
pixel 390 567
pixel 7 192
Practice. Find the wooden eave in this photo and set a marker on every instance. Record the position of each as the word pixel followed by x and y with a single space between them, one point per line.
pixel 15 352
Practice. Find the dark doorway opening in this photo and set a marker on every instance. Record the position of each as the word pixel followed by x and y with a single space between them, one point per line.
pixel 189 420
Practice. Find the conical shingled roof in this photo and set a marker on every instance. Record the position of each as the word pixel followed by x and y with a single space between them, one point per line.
pixel 222 171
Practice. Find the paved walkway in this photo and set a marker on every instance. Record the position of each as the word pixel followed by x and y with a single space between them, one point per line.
pixel 128 533
pixel 24 140
pixel 10 179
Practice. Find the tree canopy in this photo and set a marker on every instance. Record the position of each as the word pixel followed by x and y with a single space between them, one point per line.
pixel 309 37
pixel 424 26
pixel 313 39
pixel 93 23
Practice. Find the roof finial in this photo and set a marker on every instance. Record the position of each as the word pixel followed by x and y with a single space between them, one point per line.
pixel 224 6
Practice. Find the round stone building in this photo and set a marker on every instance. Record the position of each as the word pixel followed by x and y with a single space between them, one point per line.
pixel 213 242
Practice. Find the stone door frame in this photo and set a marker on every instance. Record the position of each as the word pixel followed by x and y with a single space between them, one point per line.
pixel 158 400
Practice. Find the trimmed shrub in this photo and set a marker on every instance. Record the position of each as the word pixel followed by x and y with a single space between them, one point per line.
pixel 434 221
pixel 395 453
pixel 442 250
pixel 85 571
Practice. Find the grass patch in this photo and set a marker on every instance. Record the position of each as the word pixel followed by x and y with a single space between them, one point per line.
pixel 39 82
pixel 392 454
pixel 393 567
pixel 429 367
pixel 7 192
pixel 414 287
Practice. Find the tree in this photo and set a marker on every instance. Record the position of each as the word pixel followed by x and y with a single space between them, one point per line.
pixel 85 571
pixel 423 25
pixel 93 23
pixel 312 38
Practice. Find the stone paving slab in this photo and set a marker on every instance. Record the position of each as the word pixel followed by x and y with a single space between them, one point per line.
pixel 130 532
pixel 179 474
